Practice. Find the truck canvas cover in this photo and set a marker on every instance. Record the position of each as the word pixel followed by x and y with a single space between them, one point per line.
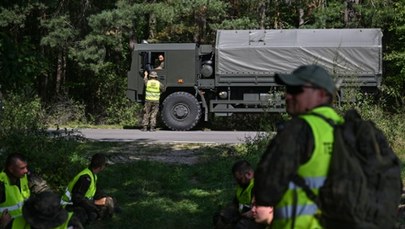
pixel 344 52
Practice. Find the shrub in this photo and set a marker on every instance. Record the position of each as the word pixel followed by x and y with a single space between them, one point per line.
pixel 64 111
pixel 123 112
pixel 21 114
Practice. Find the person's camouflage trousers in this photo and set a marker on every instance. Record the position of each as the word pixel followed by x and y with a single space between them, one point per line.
pixel 151 109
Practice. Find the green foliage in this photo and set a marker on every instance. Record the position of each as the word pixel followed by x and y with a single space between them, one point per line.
pixel 329 17
pixel 239 23
pixel 20 65
pixel 375 109
pixel 84 45
pixel 22 125
pixel 64 111
pixel 54 159
pixel 61 32
pixel 21 115
pixel 124 113
pixel 395 55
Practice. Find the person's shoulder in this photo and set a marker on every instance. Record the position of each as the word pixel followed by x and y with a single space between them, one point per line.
pixel 292 125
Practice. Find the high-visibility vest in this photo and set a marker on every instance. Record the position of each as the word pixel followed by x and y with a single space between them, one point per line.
pixel 152 90
pixel 15 196
pixel 67 197
pixel 21 223
pixel 244 195
pixel 295 204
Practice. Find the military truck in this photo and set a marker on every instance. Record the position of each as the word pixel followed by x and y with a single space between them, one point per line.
pixel 236 74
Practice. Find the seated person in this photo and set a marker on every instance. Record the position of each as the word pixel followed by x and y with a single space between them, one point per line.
pixel 83 197
pixel 238 214
pixel 17 183
pixel 44 210
pixel 161 62
pixel 262 214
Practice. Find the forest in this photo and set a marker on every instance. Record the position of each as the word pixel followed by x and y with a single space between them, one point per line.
pixel 72 57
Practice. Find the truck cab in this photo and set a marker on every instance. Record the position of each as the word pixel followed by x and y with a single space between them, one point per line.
pixel 181 110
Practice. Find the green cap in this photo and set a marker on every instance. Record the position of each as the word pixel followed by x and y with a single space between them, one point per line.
pixel 313 74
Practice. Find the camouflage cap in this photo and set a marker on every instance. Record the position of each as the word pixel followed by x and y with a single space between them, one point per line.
pixel 312 74
pixel 153 75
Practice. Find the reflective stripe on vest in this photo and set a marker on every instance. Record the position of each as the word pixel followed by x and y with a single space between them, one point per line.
pixel 152 90
pixel 67 197
pixel 287 211
pixel 312 182
pixel 244 195
pixel 15 196
pixel 314 172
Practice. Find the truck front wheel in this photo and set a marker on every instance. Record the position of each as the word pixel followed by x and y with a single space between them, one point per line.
pixel 181 111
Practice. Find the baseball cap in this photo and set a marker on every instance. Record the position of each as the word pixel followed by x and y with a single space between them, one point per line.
pixel 313 74
pixel 153 74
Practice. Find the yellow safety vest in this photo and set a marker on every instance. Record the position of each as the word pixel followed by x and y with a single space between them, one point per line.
pixel 152 90
pixel 244 196
pixel 67 197
pixel 20 223
pixel 314 172
pixel 14 196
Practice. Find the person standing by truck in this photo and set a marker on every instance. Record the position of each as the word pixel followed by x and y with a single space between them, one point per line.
pixel 152 96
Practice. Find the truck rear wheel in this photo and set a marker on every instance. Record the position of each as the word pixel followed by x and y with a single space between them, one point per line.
pixel 181 111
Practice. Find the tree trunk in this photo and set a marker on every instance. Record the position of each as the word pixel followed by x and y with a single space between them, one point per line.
pixel 301 17
pixel 262 13
pixel 152 25
pixel 60 72
pixel 350 13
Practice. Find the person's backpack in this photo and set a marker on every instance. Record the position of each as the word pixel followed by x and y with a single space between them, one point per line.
pixel 363 185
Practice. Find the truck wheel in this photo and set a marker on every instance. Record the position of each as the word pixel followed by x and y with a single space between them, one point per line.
pixel 181 111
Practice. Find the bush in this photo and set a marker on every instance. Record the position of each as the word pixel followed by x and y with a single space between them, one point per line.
pixel 64 111
pixel 23 130
pixel 21 114
pixel 388 118
pixel 56 159
pixel 124 112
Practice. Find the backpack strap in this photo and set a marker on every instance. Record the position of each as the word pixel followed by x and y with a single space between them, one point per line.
pixel 299 180
pixel 328 120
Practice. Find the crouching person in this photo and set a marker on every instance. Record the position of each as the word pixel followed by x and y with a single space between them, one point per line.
pixel 84 197
pixel 239 214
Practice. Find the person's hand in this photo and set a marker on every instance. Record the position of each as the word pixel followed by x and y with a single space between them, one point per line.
pixel 101 201
pixel 5 218
pixel 145 74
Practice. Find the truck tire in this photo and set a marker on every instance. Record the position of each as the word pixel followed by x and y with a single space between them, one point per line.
pixel 181 111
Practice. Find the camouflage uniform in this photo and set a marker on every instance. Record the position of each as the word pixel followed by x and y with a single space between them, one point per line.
pixel 152 94
pixel 151 109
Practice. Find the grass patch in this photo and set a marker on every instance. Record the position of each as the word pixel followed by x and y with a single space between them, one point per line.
pixel 160 195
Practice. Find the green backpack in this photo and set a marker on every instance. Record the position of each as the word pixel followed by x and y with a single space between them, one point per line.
pixel 363 185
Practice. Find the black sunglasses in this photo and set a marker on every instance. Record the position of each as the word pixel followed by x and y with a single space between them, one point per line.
pixel 296 90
